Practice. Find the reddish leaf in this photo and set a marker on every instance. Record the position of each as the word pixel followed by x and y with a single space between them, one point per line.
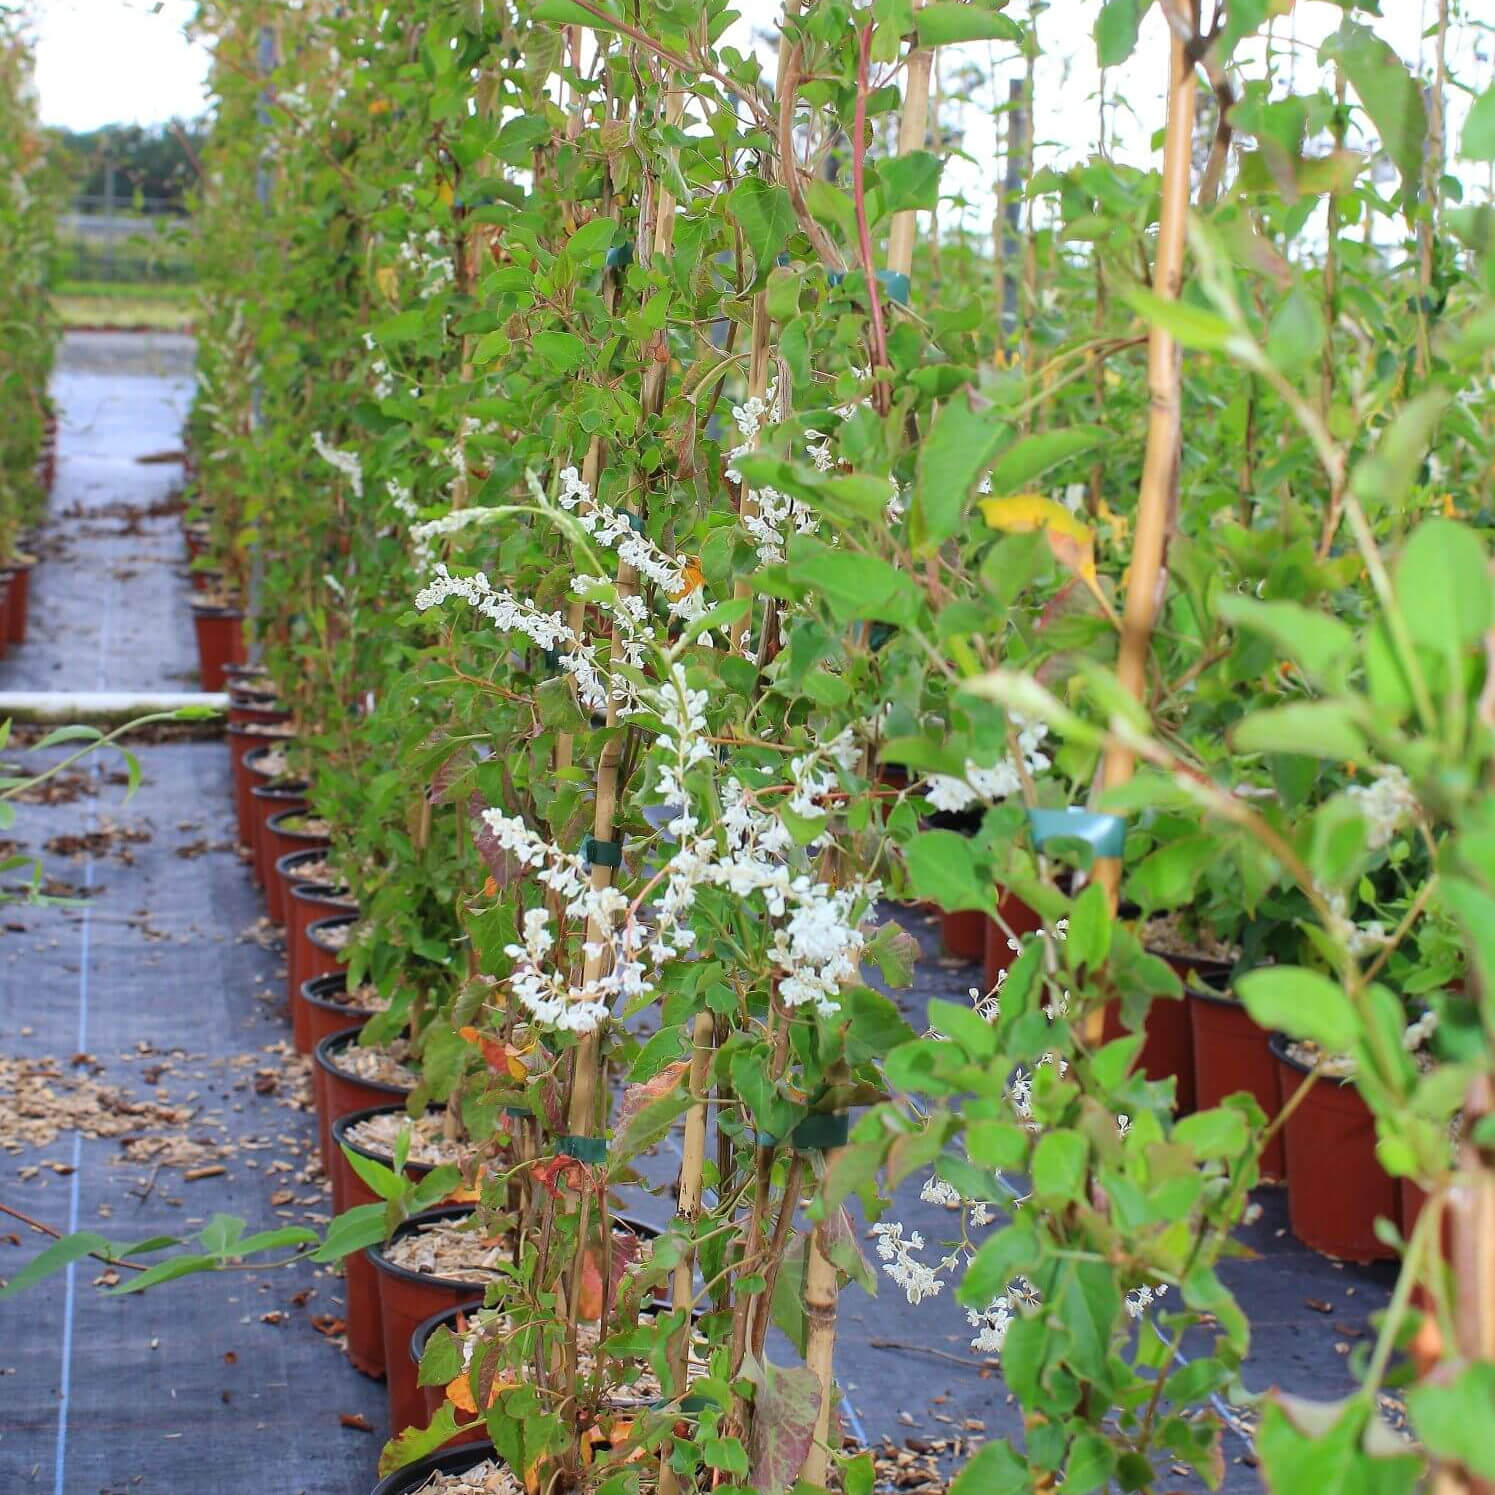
pixel 786 1404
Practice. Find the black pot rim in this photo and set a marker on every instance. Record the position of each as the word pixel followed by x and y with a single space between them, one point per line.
pixel 247 729
pixel 273 822
pixel 296 789
pixel 342 1123
pixel 448 1461
pixel 312 928
pixel 1214 998
pixel 320 892
pixel 287 861
pixel 328 1003
pixel 343 1039
pixel 424 1330
pixel 1278 1043
pixel 217 614
pixel 381 1263
pixel 255 768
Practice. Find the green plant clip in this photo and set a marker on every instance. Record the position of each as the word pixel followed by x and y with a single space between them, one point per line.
pixel 894 282
pixel 1104 834
pixel 619 257
pixel 597 853
pixel 591 1150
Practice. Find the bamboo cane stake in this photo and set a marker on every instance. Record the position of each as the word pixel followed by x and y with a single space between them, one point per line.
pixel 1427 224
pixel 688 1209
pixel 821 1293
pixel 1157 503
pixel 912 128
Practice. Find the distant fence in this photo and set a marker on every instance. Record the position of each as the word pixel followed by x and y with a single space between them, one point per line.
pixel 139 243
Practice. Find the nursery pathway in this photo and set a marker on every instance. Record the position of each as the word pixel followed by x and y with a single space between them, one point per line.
pixel 157 989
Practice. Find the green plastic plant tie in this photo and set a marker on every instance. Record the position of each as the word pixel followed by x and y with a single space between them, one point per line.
pixel 894 282
pixel 635 522
pixel 591 1150
pixel 619 257
pixel 821 1129
pixel 553 658
pixel 597 853
pixel 1104 834
pixel 519 1113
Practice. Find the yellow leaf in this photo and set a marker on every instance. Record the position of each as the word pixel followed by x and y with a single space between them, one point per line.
pixel 459 1394
pixel 1071 541
pixel 379 106
pixel 388 282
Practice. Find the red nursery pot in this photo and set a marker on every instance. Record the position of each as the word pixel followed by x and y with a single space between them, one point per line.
pixel 1336 1187
pixel 18 602
pixel 406 1300
pixel 220 643
pixel 1232 1054
pixel 4 614
pixel 361 1282
pixel 963 934
pixel 339 1093
pixel 249 749
pixel 306 904
pixel 246 706
pixel 415 1477
pixel 322 955
pixel 998 952
pixel 471 1427
pixel 1167 1049
pixel 267 800
pixel 328 1007
pixel 286 833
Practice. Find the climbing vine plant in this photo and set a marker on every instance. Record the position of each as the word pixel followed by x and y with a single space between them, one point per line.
pixel 677 561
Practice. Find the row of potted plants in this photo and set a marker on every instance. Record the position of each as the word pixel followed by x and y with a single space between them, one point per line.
pixel 669 560
pixel 28 333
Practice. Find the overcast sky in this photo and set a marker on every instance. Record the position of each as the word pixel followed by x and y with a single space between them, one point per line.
pixel 101 61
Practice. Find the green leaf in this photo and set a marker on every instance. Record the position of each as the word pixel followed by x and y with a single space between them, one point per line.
pixel 1381 479
pixel 591 240
pixel 1296 334
pixel 1011 1252
pixel 1389 94
pixel 69 734
pixel 948 22
pixel 942 867
pixel 1027 460
pixel 854 586
pixel 1443 586
pixel 996 1469
pixel 1116 30
pixel 909 182
pixel 166 1271
pixel 1332 1460
pixel 380 1178
pixel 1300 1003
pixel 1478 140
pixel 1190 325
pixel 959 447
pixel 569 13
pixel 966 1026
pixel 1217 1133
pixel 1453 1420
pixel 441 1361
pixel 60 1254
pixel 1315 640
pixel 416 1442
pixel 766 217
pixel 363 1225
pixel 1059 1163
pixel 563 351
pixel 1318 729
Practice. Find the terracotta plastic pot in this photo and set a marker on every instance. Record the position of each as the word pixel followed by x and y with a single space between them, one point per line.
pixel 339 1093
pixel 320 957
pixel 4 614
pixel 963 934
pixel 248 745
pixel 415 1476
pixel 283 839
pixel 246 706
pixel 220 643
pixel 326 1007
pixel 306 905
pixel 1232 1054
pixel 1336 1187
pixel 998 954
pixel 18 602
pixel 1167 1048
pixel 361 1281
pixel 268 800
pixel 406 1300
pixel 472 1428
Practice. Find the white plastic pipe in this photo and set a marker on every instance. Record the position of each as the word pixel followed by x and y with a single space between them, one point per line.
pixel 100 707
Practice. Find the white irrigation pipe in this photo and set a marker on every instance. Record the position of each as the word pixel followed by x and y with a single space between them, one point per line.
pixel 99 707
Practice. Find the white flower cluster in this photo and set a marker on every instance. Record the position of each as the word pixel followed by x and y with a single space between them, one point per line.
pixel 347 463
pixel 980 785
pixel 1387 805
pixel 768 515
pixel 1361 940
pixel 991 1323
pixel 918 1279
pixel 429 261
